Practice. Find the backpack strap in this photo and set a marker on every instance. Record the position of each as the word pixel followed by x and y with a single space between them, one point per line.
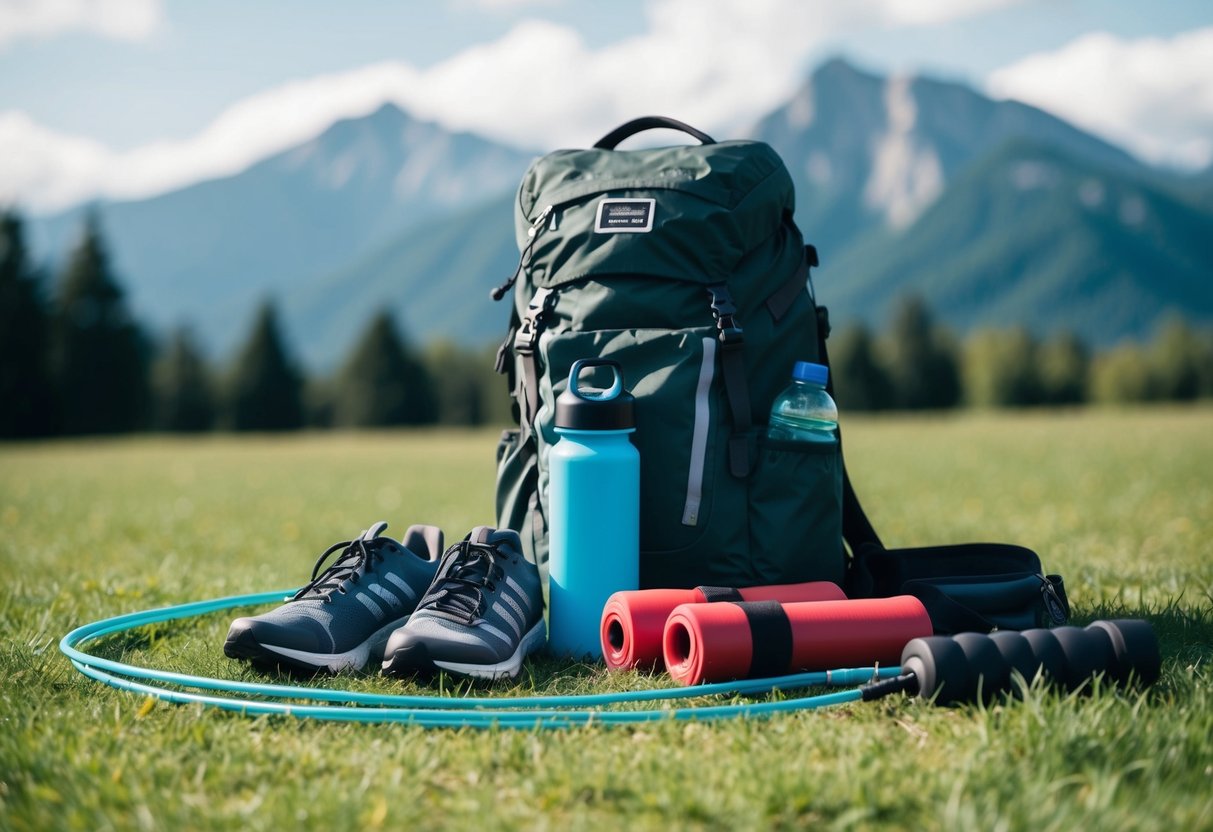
pixel 736 387
pixel 781 301
pixel 526 344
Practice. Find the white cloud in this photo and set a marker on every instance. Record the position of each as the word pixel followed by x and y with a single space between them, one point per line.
pixel 42 168
pixel 118 19
pixel 1152 95
pixel 717 64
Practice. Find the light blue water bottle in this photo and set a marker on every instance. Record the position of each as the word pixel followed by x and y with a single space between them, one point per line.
pixel 804 411
pixel 594 497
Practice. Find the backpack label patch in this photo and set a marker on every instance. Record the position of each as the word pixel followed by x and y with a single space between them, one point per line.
pixel 617 216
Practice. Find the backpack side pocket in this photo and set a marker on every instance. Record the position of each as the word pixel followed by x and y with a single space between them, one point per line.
pixel 518 505
pixel 795 502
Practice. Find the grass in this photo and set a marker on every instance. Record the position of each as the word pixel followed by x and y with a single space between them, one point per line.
pixel 1119 502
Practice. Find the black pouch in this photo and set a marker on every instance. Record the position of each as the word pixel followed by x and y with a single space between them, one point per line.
pixel 971 587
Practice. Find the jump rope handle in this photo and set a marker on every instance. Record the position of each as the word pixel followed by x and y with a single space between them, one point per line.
pixel 973 666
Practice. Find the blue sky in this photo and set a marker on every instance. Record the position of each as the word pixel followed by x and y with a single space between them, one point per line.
pixel 130 97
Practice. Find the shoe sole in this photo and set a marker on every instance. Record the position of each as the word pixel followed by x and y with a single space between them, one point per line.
pixel 242 644
pixel 417 657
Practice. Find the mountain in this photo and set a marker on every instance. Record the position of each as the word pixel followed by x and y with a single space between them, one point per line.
pixel 869 152
pixel 995 212
pixel 1032 234
pixel 207 253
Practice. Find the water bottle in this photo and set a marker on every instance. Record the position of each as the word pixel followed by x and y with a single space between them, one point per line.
pixel 804 411
pixel 594 500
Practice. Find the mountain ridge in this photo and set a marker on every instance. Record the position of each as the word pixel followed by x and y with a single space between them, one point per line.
pixel 210 251
pixel 1099 252
pixel 390 211
pixel 866 150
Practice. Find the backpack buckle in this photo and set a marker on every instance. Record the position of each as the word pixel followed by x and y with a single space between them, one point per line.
pixel 537 312
pixel 729 333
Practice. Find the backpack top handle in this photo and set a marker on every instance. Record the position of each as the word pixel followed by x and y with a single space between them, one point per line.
pixel 639 125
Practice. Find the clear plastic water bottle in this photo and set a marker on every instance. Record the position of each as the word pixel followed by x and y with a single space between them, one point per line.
pixel 804 411
pixel 594 525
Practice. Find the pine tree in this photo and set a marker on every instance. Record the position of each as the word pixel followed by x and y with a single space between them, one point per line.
pixel 99 354
pixel 1179 361
pixel 1122 375
pixel 26 391
pixel 265 390
pixel 1064 364
pixel 459 383
pixel 1000 368
pixel 383 383
pixel 183 395
pixel 860 381
pixel 922 362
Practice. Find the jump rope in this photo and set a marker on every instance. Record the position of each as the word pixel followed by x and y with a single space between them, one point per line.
pixel 947 670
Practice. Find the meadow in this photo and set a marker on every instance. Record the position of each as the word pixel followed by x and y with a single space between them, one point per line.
pixel 1118 501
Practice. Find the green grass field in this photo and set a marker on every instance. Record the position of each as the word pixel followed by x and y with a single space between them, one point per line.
pixel 1119 502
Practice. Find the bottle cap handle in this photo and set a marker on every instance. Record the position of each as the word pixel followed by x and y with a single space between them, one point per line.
pixel 596 395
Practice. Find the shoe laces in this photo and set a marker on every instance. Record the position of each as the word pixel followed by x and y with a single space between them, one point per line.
pixel 355 559
pixel 467 570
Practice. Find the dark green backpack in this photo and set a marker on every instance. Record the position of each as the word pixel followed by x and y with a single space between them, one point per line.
pixel 685 266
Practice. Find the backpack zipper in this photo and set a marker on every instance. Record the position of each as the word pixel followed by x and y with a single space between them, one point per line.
pixel 699 436
pixel 533 232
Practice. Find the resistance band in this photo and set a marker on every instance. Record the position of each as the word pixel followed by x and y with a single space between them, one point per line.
pixel 432 711
pixel 947 670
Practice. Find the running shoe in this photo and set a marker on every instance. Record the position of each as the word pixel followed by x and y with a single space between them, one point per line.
pixel 482 615
pixel 343 617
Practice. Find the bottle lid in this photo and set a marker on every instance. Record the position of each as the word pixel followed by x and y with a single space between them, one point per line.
pixel 580 408
pixel 810 372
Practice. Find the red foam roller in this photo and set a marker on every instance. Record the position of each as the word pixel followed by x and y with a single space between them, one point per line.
pixel 714 642
pixel 633 621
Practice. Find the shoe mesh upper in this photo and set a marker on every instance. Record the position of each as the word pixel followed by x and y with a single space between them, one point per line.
pixel 485 597
pixel 350 610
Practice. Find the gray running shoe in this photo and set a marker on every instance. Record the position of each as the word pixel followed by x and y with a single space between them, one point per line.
pixel 343 617
pixel 482 615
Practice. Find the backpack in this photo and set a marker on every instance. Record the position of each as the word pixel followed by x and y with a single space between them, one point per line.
pixel 684 265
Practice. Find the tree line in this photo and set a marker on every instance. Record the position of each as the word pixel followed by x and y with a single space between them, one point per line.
pixel 74 361
pixel 916 364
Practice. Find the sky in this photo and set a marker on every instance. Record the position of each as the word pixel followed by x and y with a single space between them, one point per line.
pixel 128 98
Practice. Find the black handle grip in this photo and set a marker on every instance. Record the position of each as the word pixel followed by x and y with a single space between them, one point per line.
pixel 971 666
pixel 639 125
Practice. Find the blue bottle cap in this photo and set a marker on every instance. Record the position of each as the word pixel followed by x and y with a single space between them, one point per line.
pixel 810 372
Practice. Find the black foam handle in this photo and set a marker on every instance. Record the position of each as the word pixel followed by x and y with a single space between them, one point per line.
pixel 971 666
pixel 639 125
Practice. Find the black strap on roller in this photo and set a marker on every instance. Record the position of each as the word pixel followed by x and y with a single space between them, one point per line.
pixel 770 636
pixel 713 594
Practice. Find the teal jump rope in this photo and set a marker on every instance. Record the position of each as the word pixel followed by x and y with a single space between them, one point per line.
pixel 528 712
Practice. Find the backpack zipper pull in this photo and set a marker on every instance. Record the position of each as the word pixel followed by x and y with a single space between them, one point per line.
pixel 533 232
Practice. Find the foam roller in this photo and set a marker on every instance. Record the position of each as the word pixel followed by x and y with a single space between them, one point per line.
pixel 754 639
pixel 973 666
pixel 633 621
